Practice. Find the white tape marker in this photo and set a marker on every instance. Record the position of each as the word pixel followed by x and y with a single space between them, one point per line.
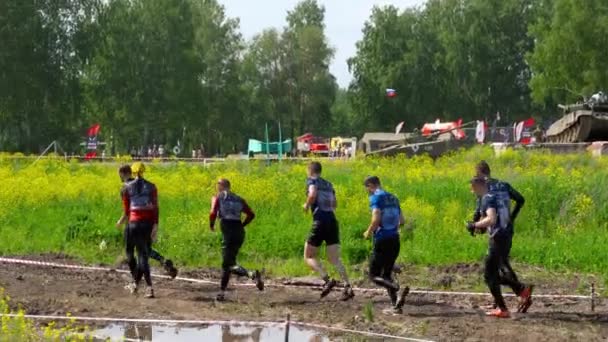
pixel 212 282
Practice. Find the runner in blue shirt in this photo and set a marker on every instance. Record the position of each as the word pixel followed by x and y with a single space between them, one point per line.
pixel 497 260
pixel 384 227
pixel 504 193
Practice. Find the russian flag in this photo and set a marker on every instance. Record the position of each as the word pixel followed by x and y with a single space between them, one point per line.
pixel 391 92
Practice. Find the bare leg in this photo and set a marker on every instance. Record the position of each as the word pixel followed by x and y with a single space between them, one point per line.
pixel 310 255
pixel 333 254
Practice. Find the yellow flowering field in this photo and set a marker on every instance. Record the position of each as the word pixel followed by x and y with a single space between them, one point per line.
pixel 71 207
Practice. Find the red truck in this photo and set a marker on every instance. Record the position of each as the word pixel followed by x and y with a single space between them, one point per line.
pixel 308 143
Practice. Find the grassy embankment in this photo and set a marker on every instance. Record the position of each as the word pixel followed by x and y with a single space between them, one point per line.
pixel 54 206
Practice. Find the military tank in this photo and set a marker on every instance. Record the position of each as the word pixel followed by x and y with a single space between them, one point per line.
pixel 582 122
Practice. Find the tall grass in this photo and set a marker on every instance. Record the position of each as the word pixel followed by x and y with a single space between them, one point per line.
pixel 54 206
pixel 19 328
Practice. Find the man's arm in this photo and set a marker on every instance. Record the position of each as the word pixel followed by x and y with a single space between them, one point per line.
pixel 250 215
pixel 334 203
pixel 121 221
pixel 126 205
pixel 312 196
pixel 519 202
pixel 477 213
pixel 375 223
pixel 487 221
pixel 215 207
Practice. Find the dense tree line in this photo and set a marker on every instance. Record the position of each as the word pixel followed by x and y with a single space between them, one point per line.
pixel 163 71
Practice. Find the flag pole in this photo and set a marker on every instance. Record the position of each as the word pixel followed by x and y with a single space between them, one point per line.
pixel 280 142
pixel 267 144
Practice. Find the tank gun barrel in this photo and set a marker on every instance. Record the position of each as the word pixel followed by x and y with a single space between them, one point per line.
pixel 470 123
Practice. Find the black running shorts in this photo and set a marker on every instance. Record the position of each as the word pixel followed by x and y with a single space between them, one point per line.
pixel 324 231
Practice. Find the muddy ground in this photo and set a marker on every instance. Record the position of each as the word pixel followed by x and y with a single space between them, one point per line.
pixel 43 290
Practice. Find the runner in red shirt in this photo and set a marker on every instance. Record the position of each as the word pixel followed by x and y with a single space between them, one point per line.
pixel 140 204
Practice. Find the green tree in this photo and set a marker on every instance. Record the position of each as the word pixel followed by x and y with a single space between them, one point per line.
pixel 217 121
pixel 311 87
pixel 41 54
pixel 451 59
pixel 569 59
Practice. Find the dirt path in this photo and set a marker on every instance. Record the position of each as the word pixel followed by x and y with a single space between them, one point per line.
pixel 42 290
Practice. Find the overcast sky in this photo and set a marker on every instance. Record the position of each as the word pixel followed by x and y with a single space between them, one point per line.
pixel 344 21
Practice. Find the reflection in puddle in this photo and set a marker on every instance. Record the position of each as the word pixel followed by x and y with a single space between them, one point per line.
pixel 224 333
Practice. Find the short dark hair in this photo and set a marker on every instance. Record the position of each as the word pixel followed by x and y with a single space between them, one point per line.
pixel 224 182
pixel 483 168
pixel 125 169
pixel 371 180
pixel 315 167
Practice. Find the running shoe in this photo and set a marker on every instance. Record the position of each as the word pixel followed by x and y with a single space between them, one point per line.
pixel 525 299
pixel 401 301
pixel 329 285
pixel 149 292
pixel 132 288
pixel 348 293
pixel 259 280
pixel 170 269
pixel 499 313
pixel 392 293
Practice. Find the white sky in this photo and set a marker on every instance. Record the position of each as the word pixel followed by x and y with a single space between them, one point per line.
pixel 344 21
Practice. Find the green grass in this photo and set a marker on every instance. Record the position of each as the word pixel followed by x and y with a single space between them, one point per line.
pixel 54 206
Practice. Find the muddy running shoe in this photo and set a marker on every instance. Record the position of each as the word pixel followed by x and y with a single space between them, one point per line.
pixel 149 292
pixel 392 293
pixel 329 285
pixel 401 301
pixel 259 280
pixel 132 288
pixel 220 297
pixel 348 293
pixel 498 313
pixel 170 269
pixel 525 299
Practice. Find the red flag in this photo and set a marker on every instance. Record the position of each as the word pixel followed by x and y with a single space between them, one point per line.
pixel 94 130
pixel 529 123
pixel 90 155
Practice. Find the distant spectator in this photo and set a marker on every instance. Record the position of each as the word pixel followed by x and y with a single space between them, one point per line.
pixel 161 151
